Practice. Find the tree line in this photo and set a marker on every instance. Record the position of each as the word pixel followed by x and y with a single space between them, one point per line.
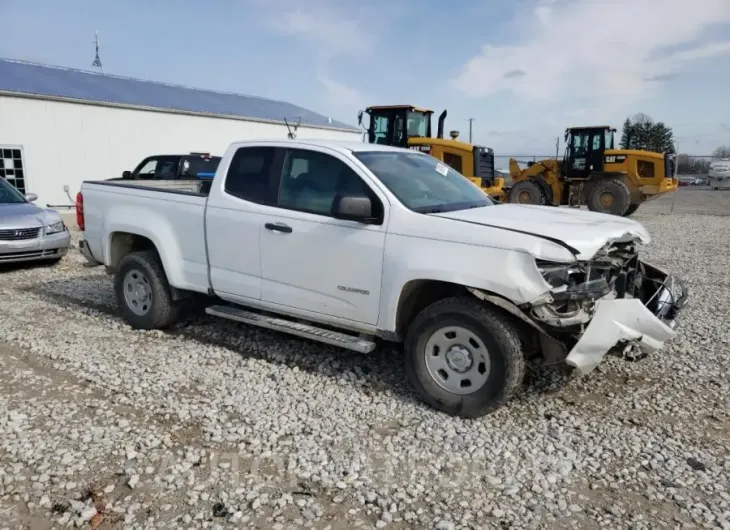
pixel 642 132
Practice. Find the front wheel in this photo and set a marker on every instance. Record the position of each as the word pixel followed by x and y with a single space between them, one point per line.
pixel 143 292
pixel 608 195
pixel 463 357
pixel 631 210
pixel 526 192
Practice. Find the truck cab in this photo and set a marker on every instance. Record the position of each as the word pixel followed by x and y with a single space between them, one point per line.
pixel 175 167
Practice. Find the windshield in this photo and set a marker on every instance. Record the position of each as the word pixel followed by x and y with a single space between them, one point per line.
pixel 422 183
pixel 201 167
pixel 8 193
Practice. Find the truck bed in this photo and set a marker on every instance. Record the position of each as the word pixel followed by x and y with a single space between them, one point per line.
pixel 171 214
pixel 196 187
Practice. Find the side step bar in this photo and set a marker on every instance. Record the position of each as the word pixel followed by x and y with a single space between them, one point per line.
pixel 307 331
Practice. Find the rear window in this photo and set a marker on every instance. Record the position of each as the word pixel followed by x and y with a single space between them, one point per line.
pixel 201 167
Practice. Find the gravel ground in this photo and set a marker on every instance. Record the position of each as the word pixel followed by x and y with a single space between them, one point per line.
pixel 218 425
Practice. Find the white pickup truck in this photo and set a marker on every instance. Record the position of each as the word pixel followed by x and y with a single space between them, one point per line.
pixel 350 243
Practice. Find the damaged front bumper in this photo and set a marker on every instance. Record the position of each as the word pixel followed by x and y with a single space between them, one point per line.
pixel 631 322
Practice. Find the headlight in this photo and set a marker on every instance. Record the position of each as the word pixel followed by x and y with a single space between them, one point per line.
pixel 572 282
pixel 55 228
pixel 557 274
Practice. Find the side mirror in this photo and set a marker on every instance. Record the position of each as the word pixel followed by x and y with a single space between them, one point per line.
pixel 353 208
pixel 31 197
pixel 126 174
pixel 359 117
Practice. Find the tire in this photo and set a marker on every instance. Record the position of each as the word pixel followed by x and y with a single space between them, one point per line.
pixel 526 189
pixel 631 210
pixel 500 344
pixel 620 201
pixel 144 270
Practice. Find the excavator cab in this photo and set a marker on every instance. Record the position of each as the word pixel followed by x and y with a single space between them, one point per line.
pixel 584 150
pixel 396 124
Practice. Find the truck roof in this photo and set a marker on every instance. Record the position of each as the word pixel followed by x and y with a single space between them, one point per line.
pixel 344 146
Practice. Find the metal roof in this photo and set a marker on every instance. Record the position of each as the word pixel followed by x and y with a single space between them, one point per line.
pixel 53 82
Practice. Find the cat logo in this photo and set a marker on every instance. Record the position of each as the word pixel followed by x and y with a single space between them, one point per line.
pixel 421 148
pixel 615 159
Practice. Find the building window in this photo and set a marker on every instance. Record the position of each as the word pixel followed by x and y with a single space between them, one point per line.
pixel 12 167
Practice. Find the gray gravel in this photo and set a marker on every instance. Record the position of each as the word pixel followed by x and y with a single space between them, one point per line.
pixel 217 425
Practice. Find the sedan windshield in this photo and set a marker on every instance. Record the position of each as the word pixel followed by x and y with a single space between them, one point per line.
pixel 423 183
pixel 8 193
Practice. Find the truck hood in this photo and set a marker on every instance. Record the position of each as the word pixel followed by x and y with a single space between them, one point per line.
pixel 584 233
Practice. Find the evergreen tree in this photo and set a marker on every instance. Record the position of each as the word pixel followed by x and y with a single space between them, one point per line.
pixel 643 133
pixel 663 139
pixel 626 135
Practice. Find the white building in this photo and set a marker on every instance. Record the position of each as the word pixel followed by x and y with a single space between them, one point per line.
pixel 59 127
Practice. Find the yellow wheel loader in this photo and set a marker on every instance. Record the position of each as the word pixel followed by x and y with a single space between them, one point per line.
pixel 592 172
pixel 409 126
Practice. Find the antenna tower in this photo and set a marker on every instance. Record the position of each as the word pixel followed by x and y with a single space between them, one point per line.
pixel 97 60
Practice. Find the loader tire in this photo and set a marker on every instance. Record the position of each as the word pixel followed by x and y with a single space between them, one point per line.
pixel 631 210
pixel 526 192
pixel 143 292
pixel 463 357
pixel 610 196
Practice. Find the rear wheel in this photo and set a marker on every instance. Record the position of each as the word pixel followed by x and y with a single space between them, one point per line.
pixel 632 209
pixel 610 196
pixel 526 192
pixel 143 293
pixel 463 357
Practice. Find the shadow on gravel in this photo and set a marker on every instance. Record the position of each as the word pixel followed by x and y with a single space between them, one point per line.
pixel 383 369
pixel 25 266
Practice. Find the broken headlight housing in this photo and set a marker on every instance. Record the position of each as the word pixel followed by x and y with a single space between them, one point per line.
pixel 574 281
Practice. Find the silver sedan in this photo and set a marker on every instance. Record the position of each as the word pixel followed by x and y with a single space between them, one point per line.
pixel 28 232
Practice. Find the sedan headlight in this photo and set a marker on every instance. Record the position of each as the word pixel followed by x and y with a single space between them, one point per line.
pixel 55 228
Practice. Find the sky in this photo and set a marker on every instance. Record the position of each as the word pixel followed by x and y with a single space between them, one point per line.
pixel 523 69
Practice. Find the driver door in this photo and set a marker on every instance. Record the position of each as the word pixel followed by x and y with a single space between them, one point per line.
pixel 310 260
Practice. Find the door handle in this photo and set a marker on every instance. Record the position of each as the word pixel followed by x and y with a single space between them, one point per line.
pixel 278 227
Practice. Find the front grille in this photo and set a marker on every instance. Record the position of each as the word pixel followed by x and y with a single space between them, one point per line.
pixel 19 234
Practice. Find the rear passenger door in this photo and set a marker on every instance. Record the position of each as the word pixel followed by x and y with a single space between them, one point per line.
pixel 310 260
pixel 233 217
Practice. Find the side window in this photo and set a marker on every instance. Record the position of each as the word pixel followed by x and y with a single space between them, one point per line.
pixel 597 141
pixel 380 130
pixel 147 169
pixel 249 176
pixel 310 181
pixel 166 168
pixel 453 160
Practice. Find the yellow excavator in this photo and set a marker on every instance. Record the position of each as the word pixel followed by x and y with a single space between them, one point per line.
pixel 409 126
pixel 594 173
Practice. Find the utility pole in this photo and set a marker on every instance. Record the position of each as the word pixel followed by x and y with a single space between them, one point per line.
pixel 470 120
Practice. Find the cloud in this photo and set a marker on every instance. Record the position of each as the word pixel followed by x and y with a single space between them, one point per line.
pixel 662 77
pixel 332 33
pixel 596 48
pixel 514 73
